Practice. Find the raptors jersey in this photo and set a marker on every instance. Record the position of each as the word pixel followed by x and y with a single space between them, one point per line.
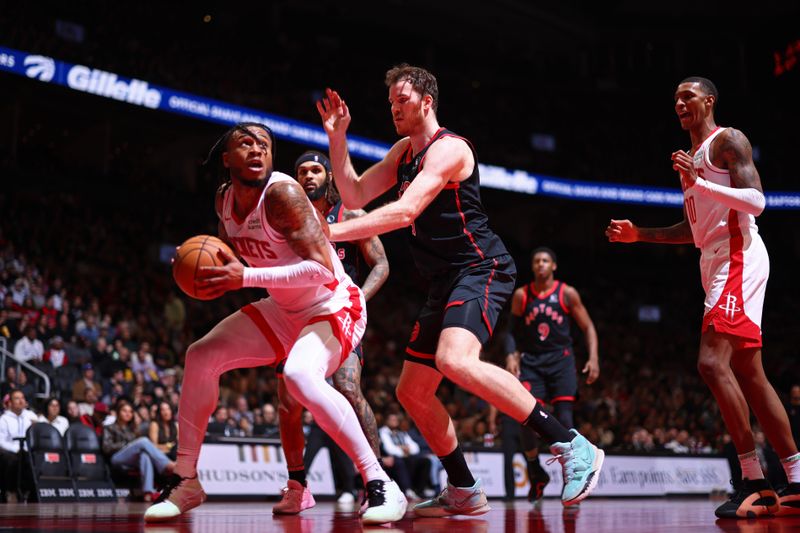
pixel 261 246
pixel 546 324
pixel 453 230
pixel 709 219
pixel 348 252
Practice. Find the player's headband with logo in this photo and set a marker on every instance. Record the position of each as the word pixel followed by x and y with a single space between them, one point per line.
pixel 316 157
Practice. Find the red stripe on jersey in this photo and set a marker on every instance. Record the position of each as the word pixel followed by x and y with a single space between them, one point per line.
pixel 266 330
pixel 546 293
pixel 421 355
pixel 727 315
pixel 464 221
pixel 454 303
pixel 695 148
pixel 561 298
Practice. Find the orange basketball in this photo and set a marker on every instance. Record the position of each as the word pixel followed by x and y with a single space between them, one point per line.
pixel 196 252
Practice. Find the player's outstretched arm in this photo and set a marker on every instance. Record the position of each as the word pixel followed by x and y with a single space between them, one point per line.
pixel 447 159
pixel 627 232
pixel 374 255
pixel 356 191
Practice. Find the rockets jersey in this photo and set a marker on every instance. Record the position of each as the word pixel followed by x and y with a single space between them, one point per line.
pixel 348 252
pixel 261 246
pixel 710 220
pixel 453 230
pixel 545 319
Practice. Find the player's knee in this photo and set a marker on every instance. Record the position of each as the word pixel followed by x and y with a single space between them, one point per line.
pixel 407 395
pixel 452 366
pixel 711 367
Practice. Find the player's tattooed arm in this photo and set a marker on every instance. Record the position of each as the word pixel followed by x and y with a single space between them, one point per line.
pixel 291 214
pixel 374 255
pixel 733 150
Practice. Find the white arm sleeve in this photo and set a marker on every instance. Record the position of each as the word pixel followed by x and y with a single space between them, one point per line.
pixel 748 200
pixel 303 274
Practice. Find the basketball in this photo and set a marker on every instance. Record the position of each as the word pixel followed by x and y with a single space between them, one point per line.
pixel 196 252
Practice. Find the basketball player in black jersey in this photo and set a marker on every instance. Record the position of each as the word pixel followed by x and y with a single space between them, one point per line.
pixel 312 170
pixel 471 277
pixel 539 350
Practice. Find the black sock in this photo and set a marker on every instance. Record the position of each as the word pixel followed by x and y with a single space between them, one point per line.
pixel 547 426
pixel 456 467
pixel 298 475
pixel 534 467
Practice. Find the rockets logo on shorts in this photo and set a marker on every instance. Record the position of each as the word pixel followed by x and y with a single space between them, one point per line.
pixel 730 306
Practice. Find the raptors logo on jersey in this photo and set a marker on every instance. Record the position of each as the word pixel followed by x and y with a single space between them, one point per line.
pixel 545 316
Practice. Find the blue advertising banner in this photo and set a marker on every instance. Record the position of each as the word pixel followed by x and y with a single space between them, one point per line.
pixel 141 93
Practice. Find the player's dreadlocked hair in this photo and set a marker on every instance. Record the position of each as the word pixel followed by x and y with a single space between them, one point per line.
pixel 418 77
pixel 215 154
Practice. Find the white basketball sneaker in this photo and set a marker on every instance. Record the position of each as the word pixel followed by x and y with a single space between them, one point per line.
pixel 386 503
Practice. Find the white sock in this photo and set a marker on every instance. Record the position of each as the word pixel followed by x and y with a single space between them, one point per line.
pixel 791 465
pixel 751 468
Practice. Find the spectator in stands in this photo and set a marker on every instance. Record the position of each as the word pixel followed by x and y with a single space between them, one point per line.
pixel 79 352
pixel 10 382
pixel 86 381
pixel 89 328
pixel 220 423
pixel 64 327
pixel 90 398
pixel 13 424
pixel 126 448
pixel 268 426
pixel 411 470
pixel 56 355
pixel 142 362
pixel 52 416
pixel 73 412
pixel 96 418
pixel 29 348
pixel 24 385
pixel 174 314
pixel 6 327
pixel 163 431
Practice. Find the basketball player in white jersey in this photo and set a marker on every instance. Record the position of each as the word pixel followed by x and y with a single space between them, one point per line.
pixel 313 317
pixel 722 196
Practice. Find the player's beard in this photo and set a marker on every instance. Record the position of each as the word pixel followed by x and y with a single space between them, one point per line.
pixel 320 192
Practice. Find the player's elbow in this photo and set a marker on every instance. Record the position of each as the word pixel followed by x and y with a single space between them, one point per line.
pixel 406 215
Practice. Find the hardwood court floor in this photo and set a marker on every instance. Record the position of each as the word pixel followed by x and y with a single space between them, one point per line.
pixel 596 515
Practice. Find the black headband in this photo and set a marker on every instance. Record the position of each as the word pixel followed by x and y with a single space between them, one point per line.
pixel 316 157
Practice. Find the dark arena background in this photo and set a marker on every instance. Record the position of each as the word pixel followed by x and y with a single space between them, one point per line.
pixel 108 110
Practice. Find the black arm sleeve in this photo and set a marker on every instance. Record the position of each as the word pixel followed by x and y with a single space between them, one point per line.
pixel 513 326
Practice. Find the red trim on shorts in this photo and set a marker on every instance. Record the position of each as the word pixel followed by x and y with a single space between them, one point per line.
pixel 421 355
pixel 455 185
pixel 486 299
pixel 561 298
pixel 562 399
pixel 454 303
pixel 266 330
pixel 332 285
pixel 727 315
pixel 339 322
